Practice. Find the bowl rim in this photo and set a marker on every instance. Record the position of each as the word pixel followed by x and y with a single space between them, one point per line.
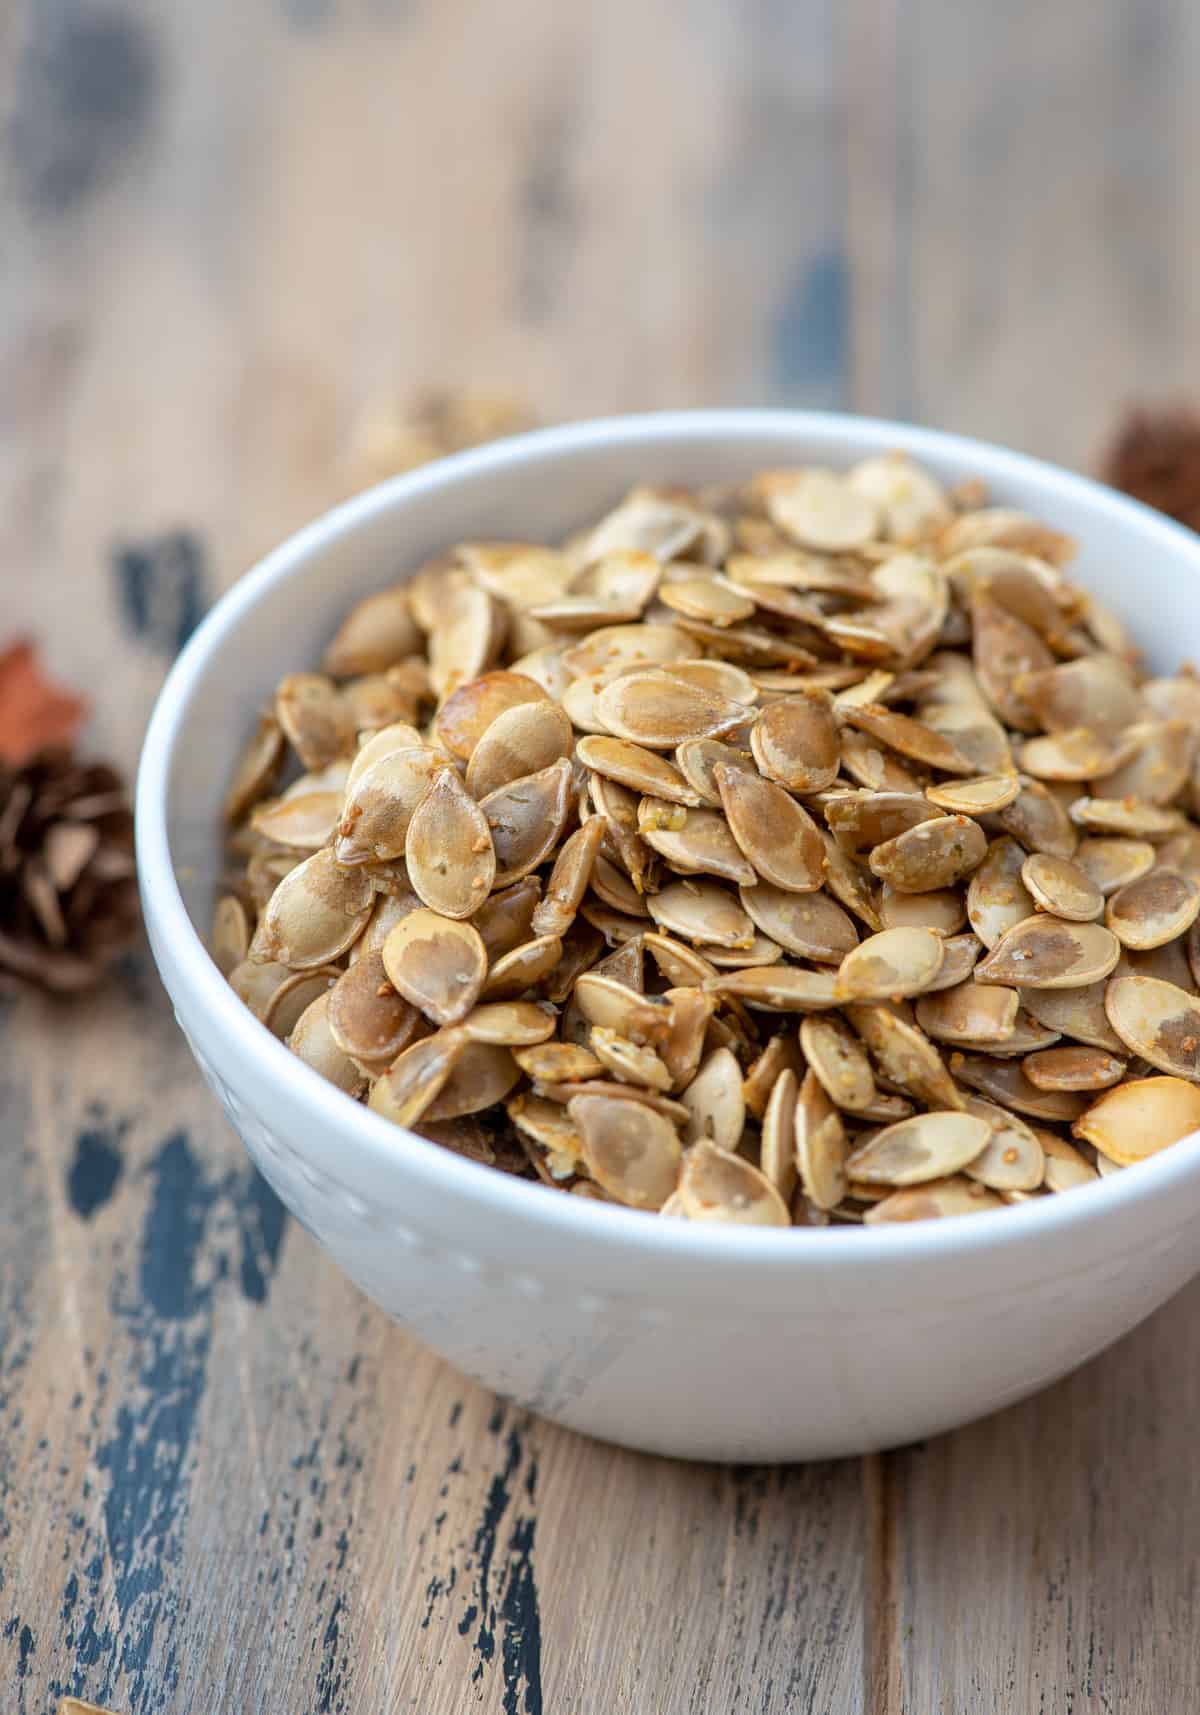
pixel 455 1176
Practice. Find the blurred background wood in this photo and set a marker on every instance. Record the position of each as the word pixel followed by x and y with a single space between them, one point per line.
pixel 225 1481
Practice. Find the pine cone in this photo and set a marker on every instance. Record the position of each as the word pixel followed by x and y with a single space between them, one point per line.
pixel 68 894
pixel 1156 458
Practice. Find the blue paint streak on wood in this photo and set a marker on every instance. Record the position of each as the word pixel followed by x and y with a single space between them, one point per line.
pixel 162 588
pixel 263 1221
pixel 810 334
pixel 93 1174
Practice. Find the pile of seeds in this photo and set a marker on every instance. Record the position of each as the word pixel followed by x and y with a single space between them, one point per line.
pixel 809 850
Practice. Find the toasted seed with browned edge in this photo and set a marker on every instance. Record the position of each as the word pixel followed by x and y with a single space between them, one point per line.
pixel 927 1146
pixel 1134 1120
pixel 631 1151
pixel 717 1186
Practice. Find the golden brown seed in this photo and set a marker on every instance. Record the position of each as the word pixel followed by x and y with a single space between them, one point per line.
pixel 1050 953
pixel 1073 1068
pixel 838 1061
pixel 702 845
pixel 702 911
pixel 230 937
pixel 314 718
pixel 526 820
pixel 810 925
pixel 956 1195
pixel 1060 886
pixel 927 1146
pixel 778 838
pixel 778 988
pixel 1132 817
pixel 302 823
pixel 904 1056
pixel 1159 908
pixel 471 709
pixel 316 913
pixel 437 964
pixel 256 769
pixel 519 742
pixel 1076 1012
pixel 910 737
pixel 632 1152
pixel 312 1041
pixel 795 742
pixel 717 1186
pixel 1138 1119
pixel 464 639
pixel 482 1075
pixel 942 909
pixel 981 795
pixel 376 633
pixel 658 711
pixel 292 998
pixel 777 1145
pixel 933 855
pixel 1111 863
pixel 568 880
pixel 416 1079
pixel 820 509
pixel 1158 1021
pixel 1004 1082
pixel 505 920
pixel 997 898
pixel 380 804
pixel 1065 1167
pixel 633 766
pixel 891 965
pixel 522 968
pixel 449 851
pixel 1013 1158
pixel 511 1023
pixel 969 1015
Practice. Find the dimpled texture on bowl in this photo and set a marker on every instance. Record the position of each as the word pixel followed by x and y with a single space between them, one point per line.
pixel 689 1340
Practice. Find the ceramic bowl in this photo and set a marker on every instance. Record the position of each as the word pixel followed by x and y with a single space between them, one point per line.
pixel 691 1340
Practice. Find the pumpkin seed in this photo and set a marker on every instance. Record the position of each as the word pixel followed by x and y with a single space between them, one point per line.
pixel 482 1075
pixel 969 1015
pixel 1065 1167
pixel 610 1004
pixel 229 940
pixel 1004 1082
pixel 1061 887
pixel 303 823
pixel 981 795
pixel 905 1056
pixel 780 1052
pixel 910 737
pixel 449 851
pixel 702 846
pixel 1136 1120
pixel 931 856
pixel 1158 770
pixel 860 821
pixel 717 1186
pixel 1132 817
pixel 891 965
pixel 777 1148
pixel 257 767
pixel 437 964
pixel 525 820
pixel 848 884
pixel 1050 952
pixel 795 742
pixel 568 881
pixel 659 711
pixel 312 1041
pixel 1073 1068
pixel 820 509
pixel 632 1152
pixel 997 898
pixel 715 1102
pixel 940 1197
pixel 701 911
pixel 1076 1012
pixel 511 1023
pixel 927 1146
pixel 505 920
pixel 821 1145
pixel 464 639
pixel 1076 753
pixel 810 925
pixel 417 1077
pixel 292 998
pixel 777 988
pixel 314 718
pixel 838 1061
pixel 519 742
pixel 316 913
pixel 1158 1021
pixel 1037 819
pixel 779 838
pixel 1148 913
pixel 1013 1158
pixel 942 909
pixel 381 802
pixel 961 955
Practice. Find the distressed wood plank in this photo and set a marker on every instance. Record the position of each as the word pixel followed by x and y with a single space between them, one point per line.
pixel 225 1481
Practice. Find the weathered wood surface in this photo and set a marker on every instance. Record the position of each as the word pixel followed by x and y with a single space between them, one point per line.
pixel 226 1483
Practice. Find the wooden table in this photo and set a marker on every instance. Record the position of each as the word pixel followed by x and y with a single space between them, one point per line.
pixel 227 1484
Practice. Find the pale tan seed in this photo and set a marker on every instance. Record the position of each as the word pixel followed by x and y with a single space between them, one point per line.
pixel 969 1015
pixel 303 823
pixel 809 925
pixel 1073 1068
pixel 379 700
pixel 981 795
pixel 659 522
pixel 557 1062
pixel 229 940
pixel 613 888
pixel 397 735
pixel 482 1076
pixel 961 955
pixel 256 984
pixel 697 758
pixel 545 667
pixel 658 711
pixel 1132 817
pixel 1062 887
pixel 523 574
pixel 795 742
pixel 1077 1012
pixel 511 1023
pixel 312 1041
pixel 778 988
pixel 381 802
pixel 761 951
pixel 715 1102
pixel 891 965
pixel 956 1195
pixel 869 764
pixel 1158 1021
pixel 781 1051
pixel 314 718
pixel 1065 1167
pixel 1159 908
pixel 438 964
pixel 619 648
pixel 1007 654
pixel 927 1146
pixel 526 820
pixel 821 1145
pixel 1049 952
pixel 849 885
pixel 632 1152
pixel 629 1062
pixel 604 1001
pixel 838 1060
pixel 777 1145
pixel 716 1186
pixel 315 914
pixel 1076 753
pixel 1094 691
pixel 1170 962
pixel 292 997
pixel 1112 863
pixel 633 766
pixel 904 1056
pixel 519 742
pixel 377 632
pixel 942 909
pixel 702 846
pixel 1013 1158
pixel 1136 1120
pixel 449 851
pixel 569 878
pixel 702 911
pixel 1157 771
pixel 710 598
pixel 682 1047
pixel 257 767
pixel 721 677
pixel 778 838
pixel 1004 1082
pixel 1027 1036
pixel 464 639
pixel 473 707
pixel 820 509
pixel 910 737
pixel 522 968
pixel 997 898
pixel 860 821
pixel 412 1084
pixel 548 1125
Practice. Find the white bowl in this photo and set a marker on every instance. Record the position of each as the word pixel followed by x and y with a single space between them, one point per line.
pixel 691 1340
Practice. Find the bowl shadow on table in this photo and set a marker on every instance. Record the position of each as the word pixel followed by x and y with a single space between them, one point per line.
pixel 1053 1546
